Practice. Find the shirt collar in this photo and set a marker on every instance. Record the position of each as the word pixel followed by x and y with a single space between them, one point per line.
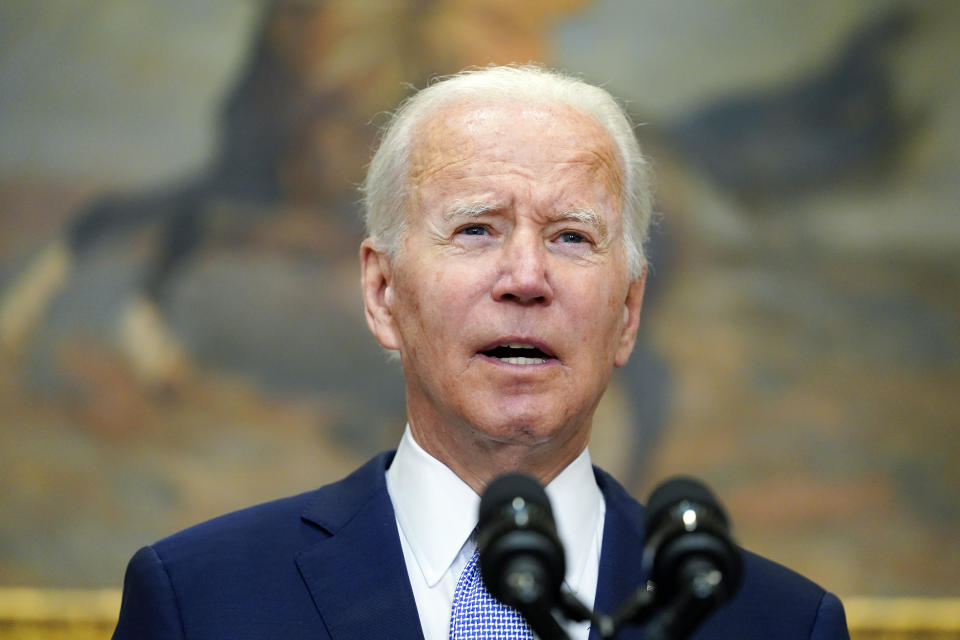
pixel 578 508
pixel 437 511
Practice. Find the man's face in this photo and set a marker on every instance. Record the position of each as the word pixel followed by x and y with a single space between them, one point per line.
pixel 510 301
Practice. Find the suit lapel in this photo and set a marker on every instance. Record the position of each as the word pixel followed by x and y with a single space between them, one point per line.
pixel 357 576
pixel 621 554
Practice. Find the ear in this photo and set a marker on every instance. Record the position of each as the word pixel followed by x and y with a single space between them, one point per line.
pixel 631 319
pixel 377 285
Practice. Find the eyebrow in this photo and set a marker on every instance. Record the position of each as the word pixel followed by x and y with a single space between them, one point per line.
pixel 468 210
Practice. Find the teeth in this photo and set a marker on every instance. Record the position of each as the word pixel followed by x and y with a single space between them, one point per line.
pixel 523 360
pixel 518 345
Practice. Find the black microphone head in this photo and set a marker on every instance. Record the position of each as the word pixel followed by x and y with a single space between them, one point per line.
pixel 688 532
pixel 521 557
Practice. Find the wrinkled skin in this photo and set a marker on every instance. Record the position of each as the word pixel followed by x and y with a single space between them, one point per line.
pixel 514 235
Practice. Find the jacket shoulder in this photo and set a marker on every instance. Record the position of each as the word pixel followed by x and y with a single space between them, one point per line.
pixel 236 576
pixel 230 532
pixel 777 602
pixel 288 524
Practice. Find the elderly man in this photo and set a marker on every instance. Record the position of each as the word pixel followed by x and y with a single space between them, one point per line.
pixel 506 211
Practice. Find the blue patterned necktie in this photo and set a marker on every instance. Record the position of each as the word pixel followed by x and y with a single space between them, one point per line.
pixel 477 615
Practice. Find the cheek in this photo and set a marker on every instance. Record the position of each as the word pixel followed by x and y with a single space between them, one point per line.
pixel 432 304
pixel 601 313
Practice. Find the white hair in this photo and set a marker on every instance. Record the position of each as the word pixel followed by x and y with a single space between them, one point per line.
pixel 386 188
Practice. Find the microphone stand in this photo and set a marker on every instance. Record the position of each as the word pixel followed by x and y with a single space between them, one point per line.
pixel 545 625
pixel 535 604
pixel 637 609
pixel 543 620
pixel 675 619
pixel 688 608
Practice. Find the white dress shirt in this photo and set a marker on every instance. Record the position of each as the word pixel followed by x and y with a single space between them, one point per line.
pixel 437 511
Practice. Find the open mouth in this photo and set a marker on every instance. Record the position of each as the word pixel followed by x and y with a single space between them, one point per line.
pixel 518 353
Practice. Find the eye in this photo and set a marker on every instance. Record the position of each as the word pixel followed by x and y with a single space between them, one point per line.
pixel 474 230
pixel 572 237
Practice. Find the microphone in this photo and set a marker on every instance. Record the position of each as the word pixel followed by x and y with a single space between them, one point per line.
pixel 689 556
pixel 521 557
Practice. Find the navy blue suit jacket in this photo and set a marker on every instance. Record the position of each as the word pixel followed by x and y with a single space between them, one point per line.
pixel 328 564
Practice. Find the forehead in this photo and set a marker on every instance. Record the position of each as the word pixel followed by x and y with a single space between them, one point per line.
pixel 460 140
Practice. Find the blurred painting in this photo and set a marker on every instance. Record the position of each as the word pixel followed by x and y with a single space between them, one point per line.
pixel 181 331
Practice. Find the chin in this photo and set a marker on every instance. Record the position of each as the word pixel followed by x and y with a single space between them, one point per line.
pixel 528 427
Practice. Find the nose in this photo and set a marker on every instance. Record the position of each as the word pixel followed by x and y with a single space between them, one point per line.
pixel 522 271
